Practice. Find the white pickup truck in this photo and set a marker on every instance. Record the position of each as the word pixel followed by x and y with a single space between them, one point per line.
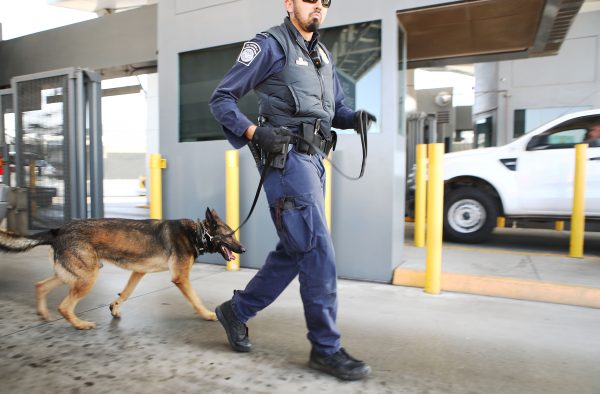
pixel 531 177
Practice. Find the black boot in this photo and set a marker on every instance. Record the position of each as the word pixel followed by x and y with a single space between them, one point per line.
pixel 237 332
pixel 339 364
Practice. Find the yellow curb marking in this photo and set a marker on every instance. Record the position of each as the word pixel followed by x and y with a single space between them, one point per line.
pixel 497 250
pixel 521 289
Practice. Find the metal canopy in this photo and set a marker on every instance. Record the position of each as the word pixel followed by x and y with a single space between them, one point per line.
pixel 100 5
pixel 486 30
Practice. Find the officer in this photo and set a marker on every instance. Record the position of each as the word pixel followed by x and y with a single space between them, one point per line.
pixel 295 81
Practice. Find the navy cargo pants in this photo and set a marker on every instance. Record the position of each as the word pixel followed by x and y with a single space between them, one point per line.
pixel 295 195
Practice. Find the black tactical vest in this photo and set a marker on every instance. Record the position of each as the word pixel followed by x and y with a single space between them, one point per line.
pixel 301 92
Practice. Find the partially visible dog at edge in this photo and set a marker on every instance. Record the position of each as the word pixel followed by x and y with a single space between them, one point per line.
pixel 80 247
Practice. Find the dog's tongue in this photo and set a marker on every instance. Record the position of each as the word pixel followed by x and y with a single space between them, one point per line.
pixel 228 253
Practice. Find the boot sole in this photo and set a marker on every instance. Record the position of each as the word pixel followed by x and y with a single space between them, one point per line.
pixel 234 346
pixel 357 375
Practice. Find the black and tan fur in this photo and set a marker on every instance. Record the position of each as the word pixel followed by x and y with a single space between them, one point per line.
pixel 80 247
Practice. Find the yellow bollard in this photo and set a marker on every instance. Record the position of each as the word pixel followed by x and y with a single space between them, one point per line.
pixel 578 215
pixel 232 199
pixel 420 195
pixel 435 219
pixel 559 225
pixel 500 222
pixel 157 163
pixel 327 166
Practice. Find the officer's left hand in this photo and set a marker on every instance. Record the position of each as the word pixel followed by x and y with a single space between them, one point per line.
pixel 360 116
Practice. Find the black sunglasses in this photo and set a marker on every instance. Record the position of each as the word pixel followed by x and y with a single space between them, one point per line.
pixel 326 3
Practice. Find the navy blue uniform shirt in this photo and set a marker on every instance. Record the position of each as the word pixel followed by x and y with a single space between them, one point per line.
pixel 245 75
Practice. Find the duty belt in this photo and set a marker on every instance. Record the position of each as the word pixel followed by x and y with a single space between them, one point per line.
pixel 307 138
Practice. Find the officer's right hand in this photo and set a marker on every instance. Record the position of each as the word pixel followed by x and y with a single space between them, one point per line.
pixel 270 139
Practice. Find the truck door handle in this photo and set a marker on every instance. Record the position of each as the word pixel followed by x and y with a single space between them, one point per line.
pixel 594 158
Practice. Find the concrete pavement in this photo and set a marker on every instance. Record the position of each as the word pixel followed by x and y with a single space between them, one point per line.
pixel 415 342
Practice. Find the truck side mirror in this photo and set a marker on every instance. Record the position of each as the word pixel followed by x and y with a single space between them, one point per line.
pixel 536 142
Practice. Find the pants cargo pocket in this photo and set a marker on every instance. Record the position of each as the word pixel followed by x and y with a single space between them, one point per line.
pixel 293 217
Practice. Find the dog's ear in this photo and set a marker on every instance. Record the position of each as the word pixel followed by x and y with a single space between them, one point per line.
pixel 209 215
pixel 215 215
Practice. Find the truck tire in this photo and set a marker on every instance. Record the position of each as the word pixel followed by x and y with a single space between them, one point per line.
pixel 469 215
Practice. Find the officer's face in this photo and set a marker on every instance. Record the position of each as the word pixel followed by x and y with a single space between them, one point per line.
pixel 306 16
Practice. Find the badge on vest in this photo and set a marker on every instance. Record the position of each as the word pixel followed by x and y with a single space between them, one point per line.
pixel 249 52
pixel 301 62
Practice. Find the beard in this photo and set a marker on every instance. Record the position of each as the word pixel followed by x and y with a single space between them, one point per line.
pixel 313 26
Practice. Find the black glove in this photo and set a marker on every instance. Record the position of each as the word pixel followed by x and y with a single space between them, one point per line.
pixel 360 116
pixel 270 139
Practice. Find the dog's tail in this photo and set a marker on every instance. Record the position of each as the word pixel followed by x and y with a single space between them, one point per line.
pixel 13 243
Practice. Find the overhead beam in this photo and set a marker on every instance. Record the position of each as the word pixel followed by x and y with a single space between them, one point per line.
pixel 114 45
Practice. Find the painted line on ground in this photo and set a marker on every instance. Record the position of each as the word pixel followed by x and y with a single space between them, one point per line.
pixel 518 252
pixel 494 286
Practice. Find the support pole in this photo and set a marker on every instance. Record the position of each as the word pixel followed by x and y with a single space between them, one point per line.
pixel 578 215
pixel 232 199
pixel 32 184
pixel 79 149
pixel 157 163
pixel 435 213
pixel 420 195
pixel 95 136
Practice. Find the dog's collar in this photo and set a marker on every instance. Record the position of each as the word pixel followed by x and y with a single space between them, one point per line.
pixel 203 237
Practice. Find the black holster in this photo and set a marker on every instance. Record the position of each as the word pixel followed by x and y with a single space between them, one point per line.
pixel 262 158
pixel 325 140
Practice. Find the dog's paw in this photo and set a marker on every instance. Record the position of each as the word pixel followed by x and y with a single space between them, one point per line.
pixel 44 315
pixel 114 310
pixel 211 316
pixel 84 325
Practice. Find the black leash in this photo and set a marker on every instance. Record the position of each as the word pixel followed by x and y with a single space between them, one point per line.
pixel 363 126
pixel 263 174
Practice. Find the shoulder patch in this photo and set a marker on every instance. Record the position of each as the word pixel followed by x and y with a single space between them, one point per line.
pixel 249 52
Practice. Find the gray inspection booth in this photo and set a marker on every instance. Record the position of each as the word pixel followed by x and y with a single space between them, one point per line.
pixel 367 215
pixel 373 44
pixel 194 42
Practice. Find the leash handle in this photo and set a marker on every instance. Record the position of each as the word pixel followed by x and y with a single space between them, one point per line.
pixel 363 126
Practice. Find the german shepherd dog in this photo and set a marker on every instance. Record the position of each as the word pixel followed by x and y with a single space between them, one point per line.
pixel 80 247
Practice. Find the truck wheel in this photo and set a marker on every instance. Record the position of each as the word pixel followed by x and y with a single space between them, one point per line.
pixel 469 215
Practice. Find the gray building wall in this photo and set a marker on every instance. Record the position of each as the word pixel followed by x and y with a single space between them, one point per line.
pixel 569 79
pixel 124 165
pixel 367 216
pixel 111 45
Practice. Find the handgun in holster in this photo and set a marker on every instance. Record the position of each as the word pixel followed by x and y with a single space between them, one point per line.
pixel 262 158
pixel 278 159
